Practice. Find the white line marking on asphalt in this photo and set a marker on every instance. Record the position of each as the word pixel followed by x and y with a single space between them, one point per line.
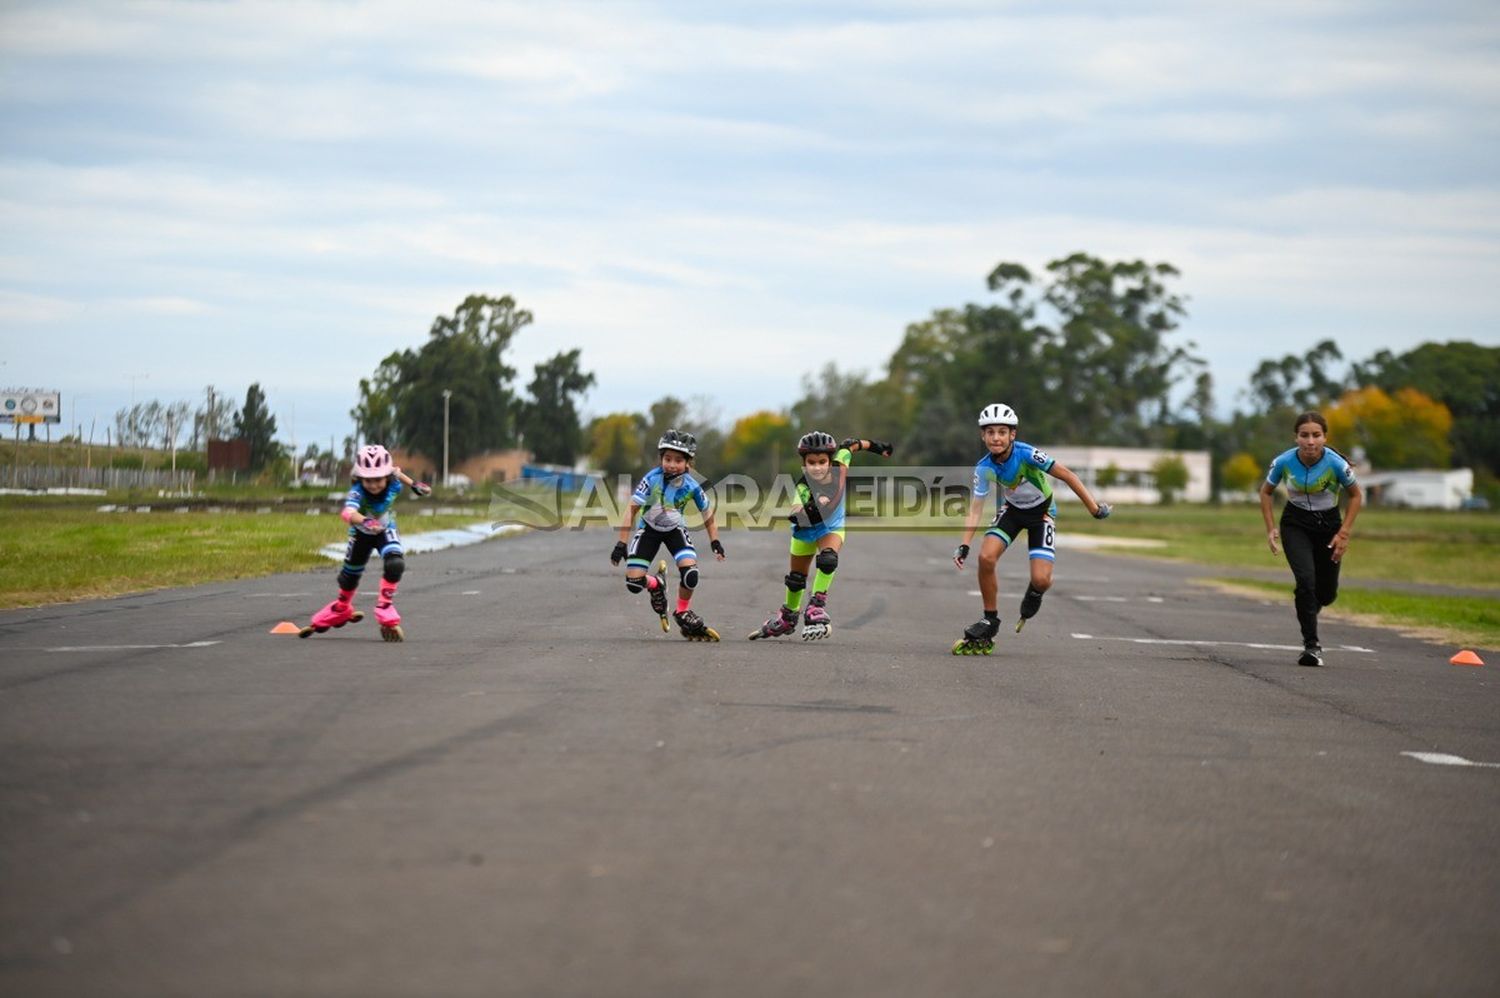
pixel 190 644
pixel 1237 644
pixel 274 595
pixel 469 592
pixel 1442 759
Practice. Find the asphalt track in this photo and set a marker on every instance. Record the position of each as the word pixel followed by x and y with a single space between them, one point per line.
pixel 541 794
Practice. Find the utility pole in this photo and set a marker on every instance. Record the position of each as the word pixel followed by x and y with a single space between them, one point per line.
pixel 447 394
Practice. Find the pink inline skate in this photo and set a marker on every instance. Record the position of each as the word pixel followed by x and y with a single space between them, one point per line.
pixel 386 615
pixel 336 614
pixel 815 620
pixel 783 621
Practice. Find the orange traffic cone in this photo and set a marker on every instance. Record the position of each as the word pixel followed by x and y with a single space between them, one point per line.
pixel 286 627
pixel 1466 657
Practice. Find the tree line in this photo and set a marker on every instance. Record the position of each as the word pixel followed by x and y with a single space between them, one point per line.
pixel 1088 351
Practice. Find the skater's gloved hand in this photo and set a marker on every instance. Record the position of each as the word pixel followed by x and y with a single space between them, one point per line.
pixel 1102 513
pixel 718 549
pixel 806 515
pixel 881 447
pixel 618 554
pixel 421 488
pixel 371 526
pixel 960 555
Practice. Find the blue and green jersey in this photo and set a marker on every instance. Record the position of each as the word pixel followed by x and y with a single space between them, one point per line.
pixel 1022 477
pixel 1314 488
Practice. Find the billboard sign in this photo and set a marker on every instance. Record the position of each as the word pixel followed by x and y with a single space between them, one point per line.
pixel 30 405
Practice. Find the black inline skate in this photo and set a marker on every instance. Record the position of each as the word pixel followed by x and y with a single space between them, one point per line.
pixel 1030 604
pixel 658 596
pixel 978 639
pixel 693 628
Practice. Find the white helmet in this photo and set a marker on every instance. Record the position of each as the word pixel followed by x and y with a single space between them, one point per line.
pixel 998 414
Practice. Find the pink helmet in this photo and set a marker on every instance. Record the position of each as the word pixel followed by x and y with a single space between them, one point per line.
pixel 374 461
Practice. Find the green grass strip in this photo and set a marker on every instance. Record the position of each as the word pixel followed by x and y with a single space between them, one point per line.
pixel 1461 621
pixel 61 553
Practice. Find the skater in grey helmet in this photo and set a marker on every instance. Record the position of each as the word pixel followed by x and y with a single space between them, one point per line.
pixel 656 514
pixel 817 532
pixel 1022 475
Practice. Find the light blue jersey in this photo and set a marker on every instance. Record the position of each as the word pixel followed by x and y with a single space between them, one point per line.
pixel 1022 477
pixel 662 502
pixel 374 507
pixel 1314 488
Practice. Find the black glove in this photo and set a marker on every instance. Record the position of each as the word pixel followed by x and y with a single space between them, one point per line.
pixel 1103 512
pixel 718 548
pixel 961 555
pixel 421 489
pixel 882 448
pixel 807 516
pixel 618 553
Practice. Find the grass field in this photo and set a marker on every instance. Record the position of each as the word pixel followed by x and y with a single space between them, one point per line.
pixel 1462 621
pixel 60 551
pixel 1440 548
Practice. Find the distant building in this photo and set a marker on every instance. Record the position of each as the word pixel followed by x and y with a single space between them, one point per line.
pixel 1134 480
pixel 1419 488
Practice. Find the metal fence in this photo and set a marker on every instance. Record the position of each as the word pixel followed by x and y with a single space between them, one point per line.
pixel 33 476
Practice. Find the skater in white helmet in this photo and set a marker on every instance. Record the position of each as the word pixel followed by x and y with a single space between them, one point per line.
pixel 1022 474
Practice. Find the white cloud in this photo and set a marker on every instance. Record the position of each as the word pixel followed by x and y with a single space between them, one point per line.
pixel 19 308
pixel 757 189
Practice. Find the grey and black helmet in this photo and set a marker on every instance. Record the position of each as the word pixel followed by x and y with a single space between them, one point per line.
pixel 817 442
pixel 678 440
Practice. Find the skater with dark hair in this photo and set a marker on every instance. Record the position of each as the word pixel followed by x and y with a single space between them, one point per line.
pixel 656 513
pixel 1021 472
pixel 369 511
pixel 817 532
pixel 1313 534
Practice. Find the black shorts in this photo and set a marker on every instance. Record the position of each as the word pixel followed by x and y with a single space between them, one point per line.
pixel 1041 533
pixel 646 541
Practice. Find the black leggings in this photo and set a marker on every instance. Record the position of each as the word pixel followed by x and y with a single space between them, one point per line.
pixel 1305 538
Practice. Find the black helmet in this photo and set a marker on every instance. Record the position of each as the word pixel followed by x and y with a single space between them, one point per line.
pixel 678 440
pixel 817 442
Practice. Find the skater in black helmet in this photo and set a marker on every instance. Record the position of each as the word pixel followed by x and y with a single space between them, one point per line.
pixel 817 533
pixel 660 498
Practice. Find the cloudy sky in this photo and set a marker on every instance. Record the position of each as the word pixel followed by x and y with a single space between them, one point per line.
pixel 717 198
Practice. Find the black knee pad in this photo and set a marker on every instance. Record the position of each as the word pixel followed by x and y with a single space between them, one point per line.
pixel 690 577
pixel 395 567
pixel 634 584
pixel 796 581
pixel 349 580
pixel 828 561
